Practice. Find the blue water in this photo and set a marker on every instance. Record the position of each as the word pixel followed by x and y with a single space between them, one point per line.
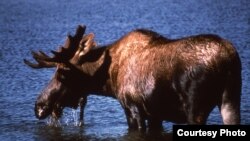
pixel 43 25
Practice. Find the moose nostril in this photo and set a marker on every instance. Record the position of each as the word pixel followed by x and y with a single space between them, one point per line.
pixel 40 112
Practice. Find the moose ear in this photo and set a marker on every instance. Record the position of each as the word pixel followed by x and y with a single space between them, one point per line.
pixel 86 44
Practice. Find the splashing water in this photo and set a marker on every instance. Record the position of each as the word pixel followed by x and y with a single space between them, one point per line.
pixel 70 118
pixel 53 122
pixel 44 25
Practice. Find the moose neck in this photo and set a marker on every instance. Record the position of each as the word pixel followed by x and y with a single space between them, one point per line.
pixel 96 66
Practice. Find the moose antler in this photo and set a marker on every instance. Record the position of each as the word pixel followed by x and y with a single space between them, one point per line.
pixel 38 56
pixel 62 55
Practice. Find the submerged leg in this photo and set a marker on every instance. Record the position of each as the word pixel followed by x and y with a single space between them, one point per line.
pixel 138 118
pixel 135 119
pixel 82 103
pixel 137 115
pixel 130 120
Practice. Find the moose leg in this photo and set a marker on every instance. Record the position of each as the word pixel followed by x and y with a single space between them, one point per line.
pixel 82 103
pixel 134 118
pixel 230 113
pixel 230 102
pixel 230 106
pixel 199 102
pixel 198 110
pixel 198 117
pixel 130 120
pixel 137 116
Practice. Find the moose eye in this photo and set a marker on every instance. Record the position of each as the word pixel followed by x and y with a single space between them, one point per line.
pixel 62 74
pixel 61 77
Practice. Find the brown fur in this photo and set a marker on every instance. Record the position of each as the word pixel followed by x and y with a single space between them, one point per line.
pixel 156 79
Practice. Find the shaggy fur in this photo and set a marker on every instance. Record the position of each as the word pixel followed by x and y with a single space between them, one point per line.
pixel 155 78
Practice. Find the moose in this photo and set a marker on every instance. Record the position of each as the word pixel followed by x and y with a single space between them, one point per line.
pixel 154 78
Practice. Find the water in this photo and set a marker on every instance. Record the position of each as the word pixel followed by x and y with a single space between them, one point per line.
pixel 43 25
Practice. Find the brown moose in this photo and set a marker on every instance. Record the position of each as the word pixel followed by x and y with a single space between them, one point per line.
pixel 154 78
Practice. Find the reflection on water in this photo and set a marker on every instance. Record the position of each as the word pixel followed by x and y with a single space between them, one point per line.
pixel 72 132
pixel 65 133
pixel 43 25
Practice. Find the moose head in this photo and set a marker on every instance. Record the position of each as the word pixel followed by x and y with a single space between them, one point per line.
pixel 65 88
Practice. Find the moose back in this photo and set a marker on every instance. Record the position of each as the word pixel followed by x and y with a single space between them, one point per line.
pixel 154 78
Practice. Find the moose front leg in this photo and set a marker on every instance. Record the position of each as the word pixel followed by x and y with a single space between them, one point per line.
pixel 135 119
pixel 82 103
pixel 130 120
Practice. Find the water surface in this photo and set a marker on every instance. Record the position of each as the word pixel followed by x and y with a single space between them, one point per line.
pixel 43 25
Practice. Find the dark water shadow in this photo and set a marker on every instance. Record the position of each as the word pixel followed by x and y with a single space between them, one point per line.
pixel 67 133
pixel 53 133
pixel 147 136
